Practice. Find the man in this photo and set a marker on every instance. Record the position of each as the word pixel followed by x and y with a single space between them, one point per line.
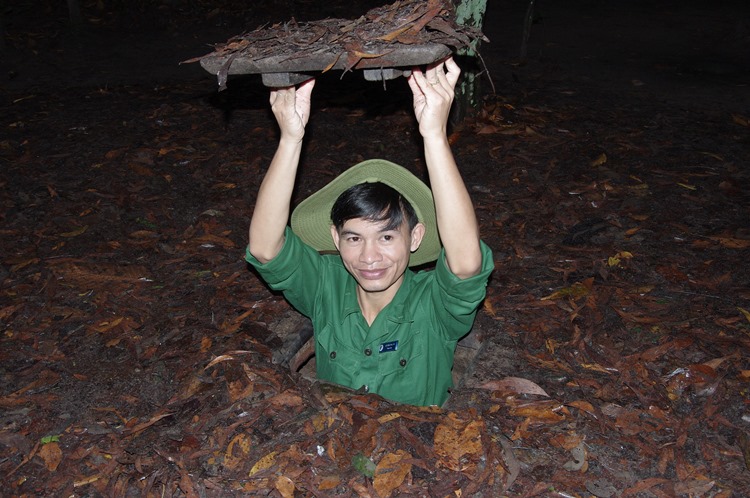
pixel 378 326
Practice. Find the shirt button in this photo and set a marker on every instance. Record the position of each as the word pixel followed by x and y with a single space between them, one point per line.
pixel 368 352
pixel 333 355
pixel 366 388
pixel 402 362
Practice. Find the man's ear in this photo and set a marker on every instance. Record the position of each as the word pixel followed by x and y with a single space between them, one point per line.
pixel 335 236
pixel 417 234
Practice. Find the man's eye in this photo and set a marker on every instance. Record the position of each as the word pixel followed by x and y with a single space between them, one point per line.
pixel 388 238
pixel 352 239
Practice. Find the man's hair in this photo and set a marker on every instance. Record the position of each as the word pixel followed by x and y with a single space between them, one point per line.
pixel 373 201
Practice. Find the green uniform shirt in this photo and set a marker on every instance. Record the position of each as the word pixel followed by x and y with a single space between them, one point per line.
pixel 407 353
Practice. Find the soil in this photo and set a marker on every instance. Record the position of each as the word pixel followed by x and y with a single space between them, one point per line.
pixel 610 176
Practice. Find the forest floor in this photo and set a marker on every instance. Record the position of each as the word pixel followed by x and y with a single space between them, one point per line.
pixel 609 170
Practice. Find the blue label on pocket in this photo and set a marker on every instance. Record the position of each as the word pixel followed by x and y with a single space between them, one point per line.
pixel 388 346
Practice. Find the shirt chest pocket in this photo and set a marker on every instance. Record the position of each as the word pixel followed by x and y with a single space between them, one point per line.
pixel 403 371
pixel 335 361
pixel 397 356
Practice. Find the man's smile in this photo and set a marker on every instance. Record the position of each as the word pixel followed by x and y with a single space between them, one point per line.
pixel 372 274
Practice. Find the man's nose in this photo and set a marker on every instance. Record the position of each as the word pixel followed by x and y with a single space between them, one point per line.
pixel 370 253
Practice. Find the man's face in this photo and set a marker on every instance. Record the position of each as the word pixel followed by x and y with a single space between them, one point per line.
pixel 376 258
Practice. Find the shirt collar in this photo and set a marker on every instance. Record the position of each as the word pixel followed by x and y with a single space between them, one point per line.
pixel 351 305
pixel 396 309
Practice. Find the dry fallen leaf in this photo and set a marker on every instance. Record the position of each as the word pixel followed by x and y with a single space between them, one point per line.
pixel 575 291
pixel 285 486
pixel 744 443
pixel 617 258
pixel 391 472
pixel 567 441
pixel 694 487
pixel 264 463
pixel 240 389
pixel 601 159
pixel 455 438
pixel 741 120
pixel 584 406
pixel 237 451
pixel 547 411
pixel 51 454
pixel 732 243
pixel 75 233
pixel 328 483
pixel 514 385
pixel 579 462
pixel 288 398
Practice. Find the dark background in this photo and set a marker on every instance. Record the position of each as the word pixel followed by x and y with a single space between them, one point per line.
pixel 669 49
pixel 610 176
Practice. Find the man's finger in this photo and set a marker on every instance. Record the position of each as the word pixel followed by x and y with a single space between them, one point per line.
pixel 433 76
pixel 422 81
pixel 305 88
pixel 454 71
pixel 413 83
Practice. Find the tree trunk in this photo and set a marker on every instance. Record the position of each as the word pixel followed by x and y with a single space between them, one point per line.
pixel 74 13
pixel 468 13
pixel 528 20
pixel 2 36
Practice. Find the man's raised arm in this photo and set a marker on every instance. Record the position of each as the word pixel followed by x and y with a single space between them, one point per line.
pixel 291 107
pixel 433 93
